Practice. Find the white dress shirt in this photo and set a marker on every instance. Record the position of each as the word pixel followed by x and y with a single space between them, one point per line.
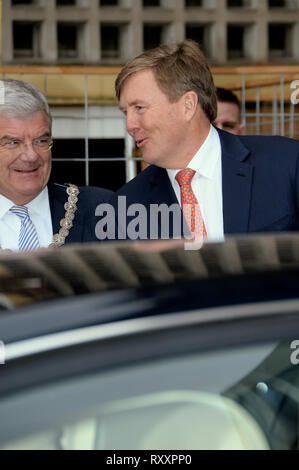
pixel 10 224
pixel 206 184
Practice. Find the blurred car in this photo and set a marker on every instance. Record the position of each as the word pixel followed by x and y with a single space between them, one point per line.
pixel 150 346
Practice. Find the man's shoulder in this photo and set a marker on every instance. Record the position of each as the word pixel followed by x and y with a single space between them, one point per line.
pixel 260 149
pixel 85 192
pixel 276 151
pixel 269 140
pixel 95 191
pixel 257 141
pixel 142 181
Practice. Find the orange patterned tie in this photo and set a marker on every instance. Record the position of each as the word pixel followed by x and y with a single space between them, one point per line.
pixel 190 206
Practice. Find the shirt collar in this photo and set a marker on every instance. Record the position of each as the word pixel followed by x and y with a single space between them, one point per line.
pixel 37 205
pixel 206 158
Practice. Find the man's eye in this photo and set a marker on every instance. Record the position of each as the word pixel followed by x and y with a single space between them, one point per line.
pixel 9 144
pixel 42 143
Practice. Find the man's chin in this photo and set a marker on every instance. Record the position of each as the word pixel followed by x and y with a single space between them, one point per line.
pixel 150 159
pixel 25 194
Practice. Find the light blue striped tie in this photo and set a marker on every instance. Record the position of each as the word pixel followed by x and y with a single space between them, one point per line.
pixel 28 239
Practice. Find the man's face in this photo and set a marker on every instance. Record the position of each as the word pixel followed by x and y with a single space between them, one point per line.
pixel 228 118
pixel 24 167
pixel 156 124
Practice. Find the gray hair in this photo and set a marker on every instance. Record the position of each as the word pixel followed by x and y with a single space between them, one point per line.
pixel 19 99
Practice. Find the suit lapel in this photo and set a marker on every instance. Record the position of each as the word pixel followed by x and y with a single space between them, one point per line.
pixel 57 201
pixel 236 184
pixel 161 190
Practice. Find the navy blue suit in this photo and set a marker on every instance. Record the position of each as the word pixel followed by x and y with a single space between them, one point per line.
pixel 84 223
pixel 260 185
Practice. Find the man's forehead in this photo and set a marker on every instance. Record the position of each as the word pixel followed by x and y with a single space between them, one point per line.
pixel 144 91
pixel 139 78
pixel 36 122
pixel 228 110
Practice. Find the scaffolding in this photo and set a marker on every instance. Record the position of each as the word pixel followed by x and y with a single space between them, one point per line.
pixel 269 97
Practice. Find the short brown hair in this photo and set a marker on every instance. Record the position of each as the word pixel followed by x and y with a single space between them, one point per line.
pixel 178 68
pixel 227 96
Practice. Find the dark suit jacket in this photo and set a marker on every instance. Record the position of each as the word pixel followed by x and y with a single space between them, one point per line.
pixel 84 223
pixel 260 184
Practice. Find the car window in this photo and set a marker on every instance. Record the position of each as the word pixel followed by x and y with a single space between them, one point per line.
pixel 242 397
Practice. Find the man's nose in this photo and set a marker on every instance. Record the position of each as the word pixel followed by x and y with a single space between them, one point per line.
pixel 131 123
pixel 28 152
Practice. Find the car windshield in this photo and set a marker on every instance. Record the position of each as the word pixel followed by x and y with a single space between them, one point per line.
pixel 154 353
pixel 237 398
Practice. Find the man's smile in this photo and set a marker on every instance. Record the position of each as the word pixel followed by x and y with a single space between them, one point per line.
pixel 26 171
pixel 140 142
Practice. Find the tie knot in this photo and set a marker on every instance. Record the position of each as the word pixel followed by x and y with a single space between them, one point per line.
pixel 20 211
pixel 185 176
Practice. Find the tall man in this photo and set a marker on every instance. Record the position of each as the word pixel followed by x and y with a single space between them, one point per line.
pixel 239 184
pixel 34 213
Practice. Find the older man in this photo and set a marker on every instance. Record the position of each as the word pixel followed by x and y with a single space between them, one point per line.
pixel 34 213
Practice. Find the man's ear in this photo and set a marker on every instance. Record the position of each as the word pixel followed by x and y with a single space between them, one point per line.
pixel 190 101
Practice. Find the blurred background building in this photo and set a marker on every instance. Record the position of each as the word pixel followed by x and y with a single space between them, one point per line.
pixel 72 50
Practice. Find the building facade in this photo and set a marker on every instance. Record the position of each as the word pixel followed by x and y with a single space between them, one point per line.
pixel 112 31
pixel 91 142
